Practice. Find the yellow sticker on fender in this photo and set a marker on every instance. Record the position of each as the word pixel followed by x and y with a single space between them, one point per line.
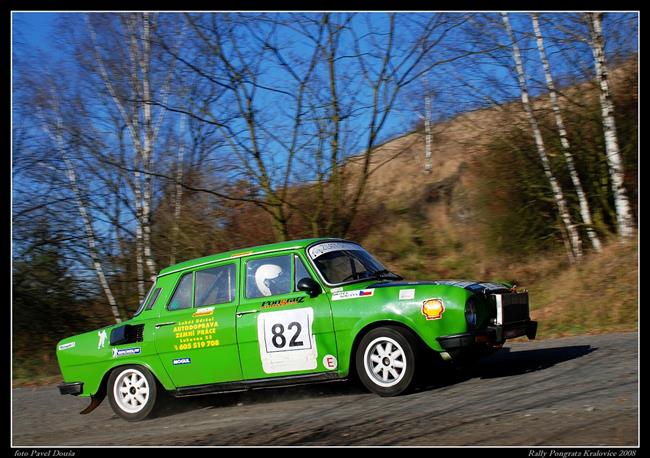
pixel 433 309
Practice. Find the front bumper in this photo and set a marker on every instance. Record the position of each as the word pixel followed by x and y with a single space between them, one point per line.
pixel 73 388
pixel 491 336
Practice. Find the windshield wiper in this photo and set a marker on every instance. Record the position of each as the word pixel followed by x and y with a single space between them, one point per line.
pixel 385 273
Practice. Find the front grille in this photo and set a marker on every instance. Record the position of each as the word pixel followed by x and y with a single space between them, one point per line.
pixel 511 307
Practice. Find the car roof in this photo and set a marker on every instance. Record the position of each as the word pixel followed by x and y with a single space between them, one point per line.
pixel 269 248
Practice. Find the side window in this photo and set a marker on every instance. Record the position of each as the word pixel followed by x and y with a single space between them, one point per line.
pixel 215 286
pixel 153 299
pixel 268 276
pixel 182 298
pixel 300 271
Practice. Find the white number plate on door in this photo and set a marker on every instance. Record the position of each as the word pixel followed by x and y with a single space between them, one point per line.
pixel 286 340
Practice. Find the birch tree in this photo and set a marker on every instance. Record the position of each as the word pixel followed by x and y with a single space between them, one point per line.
pixel 178 194
pixel 56 135
pixel 585 212
pixel 427 133
pixel 625 221
pixel 426 116
pixel 124 69
pixel 558 195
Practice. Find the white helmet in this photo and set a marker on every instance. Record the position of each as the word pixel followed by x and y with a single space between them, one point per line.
pixel 265 276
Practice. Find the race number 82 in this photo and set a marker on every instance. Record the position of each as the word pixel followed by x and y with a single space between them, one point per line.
pixel 286 330
pixel 279 340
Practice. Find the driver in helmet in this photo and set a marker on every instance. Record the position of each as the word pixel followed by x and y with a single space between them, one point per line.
pixel 270 279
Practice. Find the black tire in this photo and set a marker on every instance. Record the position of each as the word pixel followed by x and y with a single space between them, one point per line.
pixel 394 373
pixel 140 385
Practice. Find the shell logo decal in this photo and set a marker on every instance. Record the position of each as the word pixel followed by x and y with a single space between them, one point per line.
pixel 433 309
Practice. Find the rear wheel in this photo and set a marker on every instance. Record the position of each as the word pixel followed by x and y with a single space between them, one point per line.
pixel 386 361
pixel 132 392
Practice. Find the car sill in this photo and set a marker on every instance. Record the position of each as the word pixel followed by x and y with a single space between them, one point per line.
pixel 274 382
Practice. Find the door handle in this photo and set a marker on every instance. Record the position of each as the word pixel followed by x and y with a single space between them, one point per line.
pixel 169 323
pixel 247 312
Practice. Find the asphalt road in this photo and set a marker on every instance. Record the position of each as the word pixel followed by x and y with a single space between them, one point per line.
pixel 579 391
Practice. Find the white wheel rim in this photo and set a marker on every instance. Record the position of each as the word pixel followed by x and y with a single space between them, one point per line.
pixel 385 362
pixel 131 390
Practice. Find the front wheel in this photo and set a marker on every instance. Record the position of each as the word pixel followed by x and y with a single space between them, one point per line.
pixel 386 360
pixel 132 392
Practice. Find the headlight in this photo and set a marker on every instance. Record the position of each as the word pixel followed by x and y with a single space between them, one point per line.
pixel 470 313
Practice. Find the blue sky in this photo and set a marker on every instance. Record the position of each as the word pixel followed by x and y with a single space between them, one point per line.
pixel 33 29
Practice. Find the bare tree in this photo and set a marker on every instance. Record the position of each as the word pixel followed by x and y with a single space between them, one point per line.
pixel 585 212
pixel 124 68
pixel 55 133
pixel 426 118
pixel 386 65
pixel 558 195
pixel 178 195
pixel 623 212
pixel 326 118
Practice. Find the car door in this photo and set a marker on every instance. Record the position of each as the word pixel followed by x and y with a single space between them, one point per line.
pixel 195 334
pixel 282 331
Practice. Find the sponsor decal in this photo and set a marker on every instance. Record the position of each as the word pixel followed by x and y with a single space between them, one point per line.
pixel 196 333
pixel 352 294
pixel 281 302
pixel 323 248
pixel 125 351
pixel 406 294
pixel 336 290
pixel 65 346
pixel 330 362
pixel 205 311
pixel 433 309
pixel 179 361
pixel 102 338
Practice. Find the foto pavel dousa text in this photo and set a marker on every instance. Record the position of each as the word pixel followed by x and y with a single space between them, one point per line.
pixel 44 452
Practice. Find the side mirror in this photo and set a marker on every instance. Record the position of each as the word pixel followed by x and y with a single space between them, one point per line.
pixel 309 286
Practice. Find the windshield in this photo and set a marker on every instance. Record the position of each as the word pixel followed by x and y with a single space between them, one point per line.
pixel 340 262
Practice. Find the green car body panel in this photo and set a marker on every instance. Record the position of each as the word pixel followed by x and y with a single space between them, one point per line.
pixel 240 338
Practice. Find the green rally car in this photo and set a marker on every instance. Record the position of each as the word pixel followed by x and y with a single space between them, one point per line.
pixel 287 313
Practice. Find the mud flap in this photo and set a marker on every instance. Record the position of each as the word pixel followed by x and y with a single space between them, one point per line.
pixel 94 402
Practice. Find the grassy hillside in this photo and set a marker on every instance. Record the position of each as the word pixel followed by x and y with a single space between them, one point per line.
pixel 599 295
pixel 469 217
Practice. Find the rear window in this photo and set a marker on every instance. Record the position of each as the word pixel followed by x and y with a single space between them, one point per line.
pixel 215 285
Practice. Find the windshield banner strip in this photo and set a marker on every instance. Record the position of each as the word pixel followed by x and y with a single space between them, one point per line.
pixel 323 248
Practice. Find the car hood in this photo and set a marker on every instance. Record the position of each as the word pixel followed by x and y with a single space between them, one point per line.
pixel 470 285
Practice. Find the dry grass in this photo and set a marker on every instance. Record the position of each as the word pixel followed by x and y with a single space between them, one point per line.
pixel 599 295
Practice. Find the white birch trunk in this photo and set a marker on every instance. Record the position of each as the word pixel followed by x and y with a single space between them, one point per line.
pixel 585 212
pixel 139 254
pixel 567 244
pixel 90 233
pixel 133 126
pixel 558 196
pixel 622 204
pixel 179 191
pixel 147 152
pixel 138 185
pixel 427 133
